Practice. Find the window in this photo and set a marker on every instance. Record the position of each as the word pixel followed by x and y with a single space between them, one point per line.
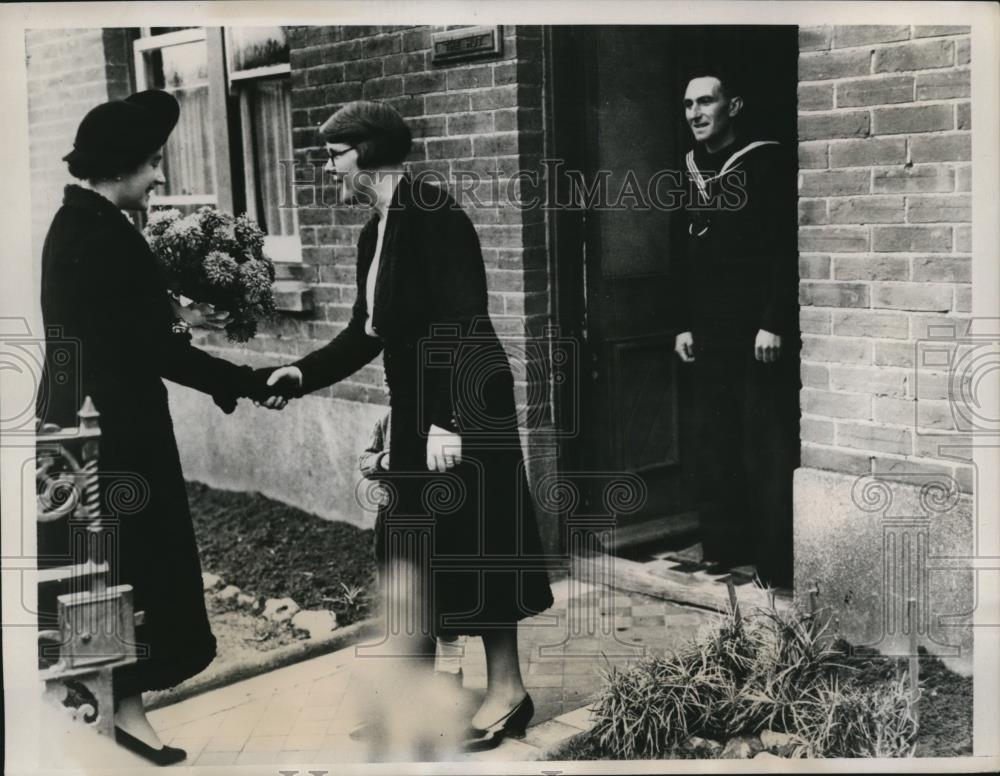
pixel 232 147
pixel 258 68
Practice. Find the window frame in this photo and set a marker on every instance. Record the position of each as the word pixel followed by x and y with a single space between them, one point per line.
pixel 223 84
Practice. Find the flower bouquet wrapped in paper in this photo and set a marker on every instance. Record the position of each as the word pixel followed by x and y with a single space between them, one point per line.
pixel 216 259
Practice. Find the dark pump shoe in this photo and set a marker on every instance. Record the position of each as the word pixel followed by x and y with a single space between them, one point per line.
pixel 165 755
pixel 513 724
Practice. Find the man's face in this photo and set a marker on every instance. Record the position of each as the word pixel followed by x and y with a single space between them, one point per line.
pixel 707 110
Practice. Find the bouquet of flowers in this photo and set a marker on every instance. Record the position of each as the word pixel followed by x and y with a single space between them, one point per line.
pixel 215 258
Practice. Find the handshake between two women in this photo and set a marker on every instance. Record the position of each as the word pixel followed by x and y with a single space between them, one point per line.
pixel 274 387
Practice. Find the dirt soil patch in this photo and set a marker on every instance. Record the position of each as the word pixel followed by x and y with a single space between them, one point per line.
pixel 268 548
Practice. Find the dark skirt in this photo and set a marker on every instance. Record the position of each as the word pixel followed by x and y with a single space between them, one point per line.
pixel 144 496
pixel 471 532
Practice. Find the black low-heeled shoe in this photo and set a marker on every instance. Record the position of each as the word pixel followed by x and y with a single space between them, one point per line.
pixel 165 755
pixel 513 724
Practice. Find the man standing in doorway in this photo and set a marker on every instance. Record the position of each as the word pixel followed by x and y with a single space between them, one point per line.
pixel 735 316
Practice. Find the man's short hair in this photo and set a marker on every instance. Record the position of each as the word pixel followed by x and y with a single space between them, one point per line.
pixel 728 75
pixel 374 128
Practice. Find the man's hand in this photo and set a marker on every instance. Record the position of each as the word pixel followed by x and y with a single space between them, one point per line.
pixel 285 381
pixel 684 346
pixel 444 449
pixel 767 347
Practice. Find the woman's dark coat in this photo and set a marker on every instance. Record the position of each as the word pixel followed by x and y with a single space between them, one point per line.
pixel 103 292
pixel 445 366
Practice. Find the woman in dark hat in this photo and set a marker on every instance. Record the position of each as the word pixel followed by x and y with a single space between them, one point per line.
pixel 422 301
pixel 103 289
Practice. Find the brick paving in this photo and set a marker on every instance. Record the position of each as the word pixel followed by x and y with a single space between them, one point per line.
pixel 302 714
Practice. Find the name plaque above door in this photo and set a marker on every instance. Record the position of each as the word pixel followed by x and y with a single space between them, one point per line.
pixel 459 45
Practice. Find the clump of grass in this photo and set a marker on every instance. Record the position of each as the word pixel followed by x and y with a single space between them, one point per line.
pixel 772 670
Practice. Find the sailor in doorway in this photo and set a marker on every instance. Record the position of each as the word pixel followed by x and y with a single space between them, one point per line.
pixel 735 317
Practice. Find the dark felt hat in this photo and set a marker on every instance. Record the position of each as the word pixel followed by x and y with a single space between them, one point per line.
pixel 125 130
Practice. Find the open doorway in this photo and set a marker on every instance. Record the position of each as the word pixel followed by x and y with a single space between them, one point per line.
pixel 617 115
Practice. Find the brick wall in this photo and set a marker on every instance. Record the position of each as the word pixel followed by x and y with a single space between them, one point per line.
pixel 884 240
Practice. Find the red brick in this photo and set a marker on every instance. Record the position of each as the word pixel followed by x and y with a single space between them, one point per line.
pixel 933 31
pixel 469 123
pixel 815 97
pixel 871 268
pixel 812 266
pixel 876 381
pixel 874 437
pixel 963 115
pixel 863 35
pixel 867 152
pixel 812 212
pixel 411 62
pixel 963 239
pixel 831 459
pixel 817 294
pixel 819 126
pixel 505 73
pixel 912 296
pixel 956 208
pixel 963 177
pixel 833 183
pixel 871 324
pixel 449 148
pixel 888 466
pixel 824 65
pixel 470 77
pixel 815 376
pixel 963 54
pixel 943 85
pixel 380 88
pixel 518 119
pixel 497 97
pixel 381 46
pixel 963 299
pixel 835 405
pixel 943 446
pixel 814 321
pixel 447 103
pixel 919 178
pixel 833 239
pixel 941 148
pixel 499 144
pixel 813 155
pixel 914 56
pixel 417 39
pixel 894 411
pixel 921 118
pixel 819 431
pixel 836 350
pixel 867 210
pixel 428 126
pixel 912 239
pixel 420 83
pixel 875 91
pixel 362 69
pixel 815 38
pixel 894 354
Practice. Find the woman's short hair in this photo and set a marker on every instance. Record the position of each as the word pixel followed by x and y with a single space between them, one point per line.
pixel 375 129
pixel 104 167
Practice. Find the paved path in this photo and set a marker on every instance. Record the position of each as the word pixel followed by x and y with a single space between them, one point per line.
pixel 302 714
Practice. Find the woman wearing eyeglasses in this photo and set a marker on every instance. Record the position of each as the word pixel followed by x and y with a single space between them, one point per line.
pixel 422 302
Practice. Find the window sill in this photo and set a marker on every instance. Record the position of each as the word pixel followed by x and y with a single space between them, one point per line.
pixel 292 296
